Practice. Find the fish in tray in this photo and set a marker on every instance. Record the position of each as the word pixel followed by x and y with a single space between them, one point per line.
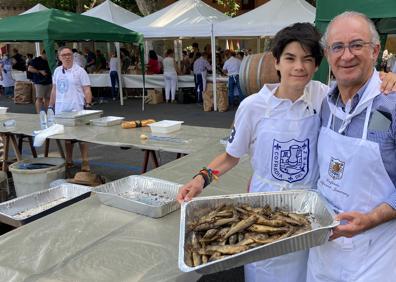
pixel 223 232
pixel 230 230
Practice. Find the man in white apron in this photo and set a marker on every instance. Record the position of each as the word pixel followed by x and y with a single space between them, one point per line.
pixel 71 91
pixel 357 160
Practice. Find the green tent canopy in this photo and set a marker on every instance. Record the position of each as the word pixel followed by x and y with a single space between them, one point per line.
pixel 382 12
pixel 56 25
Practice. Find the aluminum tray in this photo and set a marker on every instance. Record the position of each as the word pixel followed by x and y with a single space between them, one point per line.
pixel 77 118
pixel 302 201
pixel 140 194
pixel 30 207
pixel 107 121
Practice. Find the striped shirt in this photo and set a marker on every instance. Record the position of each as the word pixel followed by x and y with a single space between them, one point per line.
pixel 382 105
pixel 201 65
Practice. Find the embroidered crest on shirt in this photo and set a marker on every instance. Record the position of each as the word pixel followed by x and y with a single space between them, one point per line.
pixel 290 160
pixel 336 168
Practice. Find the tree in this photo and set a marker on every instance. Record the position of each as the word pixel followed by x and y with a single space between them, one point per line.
pixel 231 5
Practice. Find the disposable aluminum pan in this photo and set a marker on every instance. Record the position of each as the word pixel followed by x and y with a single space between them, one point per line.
pixel 140 194
pixel 107 121
pixel 30 207
pixel 78 117
pixel 301 201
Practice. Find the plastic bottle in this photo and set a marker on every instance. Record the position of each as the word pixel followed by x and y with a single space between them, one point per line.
pixel 43 119
pixel 50 116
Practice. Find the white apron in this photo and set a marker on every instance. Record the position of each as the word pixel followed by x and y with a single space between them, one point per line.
pixel 69 95
pixel 353 178
pixel 204 74
pixel 284 158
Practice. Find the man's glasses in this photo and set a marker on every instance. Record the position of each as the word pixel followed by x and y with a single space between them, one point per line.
pixel 66 55
pixel 354 47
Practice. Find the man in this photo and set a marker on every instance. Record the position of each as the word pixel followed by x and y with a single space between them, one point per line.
pixel 91 60
pixel 100 61
pixel 19 62
pixel 42 80
pixel 357 159
pixel 6 79
pixel 71 91
pixel 200 68
pixel 231 69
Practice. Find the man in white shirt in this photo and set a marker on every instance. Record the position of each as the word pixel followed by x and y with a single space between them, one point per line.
pixel 71 91
pixel 231 68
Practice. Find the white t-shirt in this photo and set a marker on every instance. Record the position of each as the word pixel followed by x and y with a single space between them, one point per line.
pixel 232 66
pixel 169 65
pixel 69 88
pixel 113 64
pixel 79 59
pixel 253 109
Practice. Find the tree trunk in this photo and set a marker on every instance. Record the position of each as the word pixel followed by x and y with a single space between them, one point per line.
pixel 148 7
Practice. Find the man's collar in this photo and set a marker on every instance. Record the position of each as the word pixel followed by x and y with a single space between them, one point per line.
pixel 335 92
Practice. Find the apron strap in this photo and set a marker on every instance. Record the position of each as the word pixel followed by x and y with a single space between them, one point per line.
pixel 366 121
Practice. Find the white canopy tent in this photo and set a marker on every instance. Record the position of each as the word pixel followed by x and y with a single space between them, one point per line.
pixel 184 18
pixel 267 19
pixel 115 14
pixel 37 8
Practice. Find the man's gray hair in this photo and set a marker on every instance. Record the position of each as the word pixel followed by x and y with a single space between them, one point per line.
pixel 374 33
pixel 60 49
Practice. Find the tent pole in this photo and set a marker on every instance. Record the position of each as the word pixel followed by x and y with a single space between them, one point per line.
pixel 213 45
pixel 50 51
pixel 37 45
pixel 142 51
pixel 120 82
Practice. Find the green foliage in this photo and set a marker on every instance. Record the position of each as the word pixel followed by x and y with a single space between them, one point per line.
pixel 231 5
pixel 83 5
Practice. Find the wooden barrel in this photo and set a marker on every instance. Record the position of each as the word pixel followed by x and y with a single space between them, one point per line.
pixel 255 71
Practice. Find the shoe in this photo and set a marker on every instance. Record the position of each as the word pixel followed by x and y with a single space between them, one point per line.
pixel 174 102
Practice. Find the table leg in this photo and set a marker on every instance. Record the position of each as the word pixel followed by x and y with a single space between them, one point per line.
pixel 32 149
pixel 14 145
pixel 147 154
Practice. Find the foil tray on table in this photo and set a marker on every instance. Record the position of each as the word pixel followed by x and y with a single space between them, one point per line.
pixel 107 121
pixel 140 194
pixel 299 201
pixel 22 210
pixel 78 117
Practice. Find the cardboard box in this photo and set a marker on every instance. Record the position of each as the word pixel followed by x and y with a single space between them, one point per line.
pixel 154 96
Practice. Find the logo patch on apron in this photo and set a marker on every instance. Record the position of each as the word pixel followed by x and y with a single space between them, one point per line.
pixel 336 168
pixel 290 160
pixel 62 85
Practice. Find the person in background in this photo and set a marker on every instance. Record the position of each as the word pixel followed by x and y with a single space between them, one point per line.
pixel 91 60
pixel 185 64
pixel 153 65
pixel 29 58
pixel 357 159
pixel 194 52
pixel 42 80
pixel 78 58
pixel 113 65
pixel 7 81
pixel 19 63
pixel 125 61
pixel 231 68
pixel 200 67
pixel 100 61
pixel 170 76
pixel 71 91
pixel 240 55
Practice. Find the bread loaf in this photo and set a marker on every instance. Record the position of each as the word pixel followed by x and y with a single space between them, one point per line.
pixel 137 123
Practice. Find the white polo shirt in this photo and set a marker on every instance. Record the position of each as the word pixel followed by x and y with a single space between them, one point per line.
pixel 69 88
pixel 232 66
pixel 256 106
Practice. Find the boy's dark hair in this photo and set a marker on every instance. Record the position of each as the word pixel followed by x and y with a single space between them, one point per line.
pixel 305 34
